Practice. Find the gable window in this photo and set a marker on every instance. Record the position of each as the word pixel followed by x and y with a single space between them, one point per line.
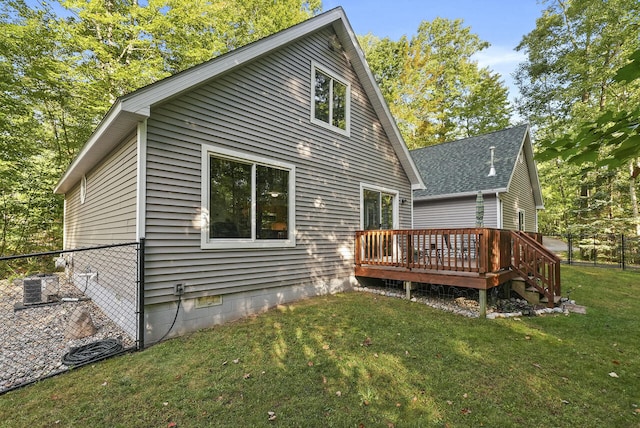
pixel 331 101
pixel 247 201
pixel 521 217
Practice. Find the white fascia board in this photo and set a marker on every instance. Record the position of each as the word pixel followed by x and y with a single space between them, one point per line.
pixel 186 80
pixel 116 126
pixel 359 63
pixel 459 195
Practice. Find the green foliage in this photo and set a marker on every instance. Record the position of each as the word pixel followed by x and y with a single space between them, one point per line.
pixel 61 71
pixel 435 90
pixel 582 110
pixel 356 358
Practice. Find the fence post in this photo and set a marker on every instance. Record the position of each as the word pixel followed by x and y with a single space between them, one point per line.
pixel 570 249
pixel 595 252
pixel 622 250
pixel 140 311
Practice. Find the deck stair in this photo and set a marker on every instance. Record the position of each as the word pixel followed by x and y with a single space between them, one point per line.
pixel 539 270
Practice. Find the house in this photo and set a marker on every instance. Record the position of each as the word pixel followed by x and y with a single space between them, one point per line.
pixel 247 176
pixel 499 165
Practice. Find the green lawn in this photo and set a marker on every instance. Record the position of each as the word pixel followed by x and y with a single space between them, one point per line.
pixel 358 359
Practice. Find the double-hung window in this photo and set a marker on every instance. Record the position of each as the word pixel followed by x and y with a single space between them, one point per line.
pixel 331 100
pixel 247 201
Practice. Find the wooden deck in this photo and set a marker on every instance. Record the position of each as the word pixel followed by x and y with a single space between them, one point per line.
pixel 480 258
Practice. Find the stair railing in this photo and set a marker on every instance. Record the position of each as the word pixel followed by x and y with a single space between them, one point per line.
pixel 538 266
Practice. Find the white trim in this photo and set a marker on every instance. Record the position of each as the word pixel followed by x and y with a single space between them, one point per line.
pixel 208 244
pixel 498 211
pixel 396 202
pixel 141 180
pixel 64 223
pixel 524 219
pixel 347 116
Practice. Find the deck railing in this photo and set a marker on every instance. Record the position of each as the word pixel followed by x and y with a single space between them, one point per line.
pixel 479 250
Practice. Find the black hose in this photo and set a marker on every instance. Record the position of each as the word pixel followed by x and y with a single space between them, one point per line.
pixel 173 323
pixel 92 352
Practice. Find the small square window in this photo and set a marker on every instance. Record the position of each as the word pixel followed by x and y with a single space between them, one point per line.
pixel 331 101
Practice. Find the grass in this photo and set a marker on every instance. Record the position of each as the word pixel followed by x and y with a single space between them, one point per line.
pixel 357 359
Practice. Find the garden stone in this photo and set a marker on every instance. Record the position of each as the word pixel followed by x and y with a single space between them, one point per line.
pixel 80 325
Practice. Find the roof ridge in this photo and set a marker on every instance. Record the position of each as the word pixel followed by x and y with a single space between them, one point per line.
pixel 469 138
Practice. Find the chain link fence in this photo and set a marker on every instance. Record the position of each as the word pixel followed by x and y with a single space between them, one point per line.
pixel 60 310
pixel 605 250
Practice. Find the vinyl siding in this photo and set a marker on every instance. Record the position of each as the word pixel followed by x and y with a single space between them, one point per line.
pixel 453 213
pixel 519 196
pixel 263 109
pixel 108 214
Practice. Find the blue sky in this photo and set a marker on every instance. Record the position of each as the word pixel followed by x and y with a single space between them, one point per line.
pixel 502 23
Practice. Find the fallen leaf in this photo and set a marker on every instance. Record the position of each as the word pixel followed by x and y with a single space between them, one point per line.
pixel 637 410
pixel 414 399
pixel 104 384
pixel 367 342
pixel 466 411
pixel 406 352
pixel 616 362
pixel 325 347
pixel 361 425
pixel 224 363
pixel 324 379
pixel 339 393
pixel 365 402
pixel 172 425
pixel 247 375
pixel 271 416
pixel 398 405
pixel 613 374
pixel 536 365
pixel 375 355
pixel 236 361
pixel 391 425
pixel 565 402
pixel 449 402
pixel 465 395
pixel 165 403
pixel 527 338
pixel 310 363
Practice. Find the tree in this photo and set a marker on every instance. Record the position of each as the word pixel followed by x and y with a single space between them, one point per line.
pixel 62 71
pixel 567 83
pixel 435 89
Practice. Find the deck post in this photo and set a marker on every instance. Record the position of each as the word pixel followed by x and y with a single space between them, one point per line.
pixel 407 288
pixel 483 303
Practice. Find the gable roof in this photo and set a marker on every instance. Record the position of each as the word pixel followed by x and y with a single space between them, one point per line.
pixel 125 114
pixel 461 167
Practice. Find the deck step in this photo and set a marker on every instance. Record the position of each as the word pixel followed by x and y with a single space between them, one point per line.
pixel 519 286
pixel 556 299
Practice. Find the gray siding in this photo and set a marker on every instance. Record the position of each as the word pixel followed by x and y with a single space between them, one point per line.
pixel 453 213
pixel 519 196
pixel 262 109
pixel 108 214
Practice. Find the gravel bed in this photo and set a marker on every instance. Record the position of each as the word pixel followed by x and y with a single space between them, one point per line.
pixel 33 338
pixel 504 308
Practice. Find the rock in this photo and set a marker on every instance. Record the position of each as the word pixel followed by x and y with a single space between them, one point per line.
pixel 80 325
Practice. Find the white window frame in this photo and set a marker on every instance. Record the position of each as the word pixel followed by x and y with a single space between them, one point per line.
pixel 231 243
pixel 315 66
pixel 524 220
pixel 396 202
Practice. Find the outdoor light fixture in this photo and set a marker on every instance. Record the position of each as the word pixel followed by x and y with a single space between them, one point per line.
pixel 492 169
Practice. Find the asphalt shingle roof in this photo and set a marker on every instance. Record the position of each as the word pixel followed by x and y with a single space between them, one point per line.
pixel 462 166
